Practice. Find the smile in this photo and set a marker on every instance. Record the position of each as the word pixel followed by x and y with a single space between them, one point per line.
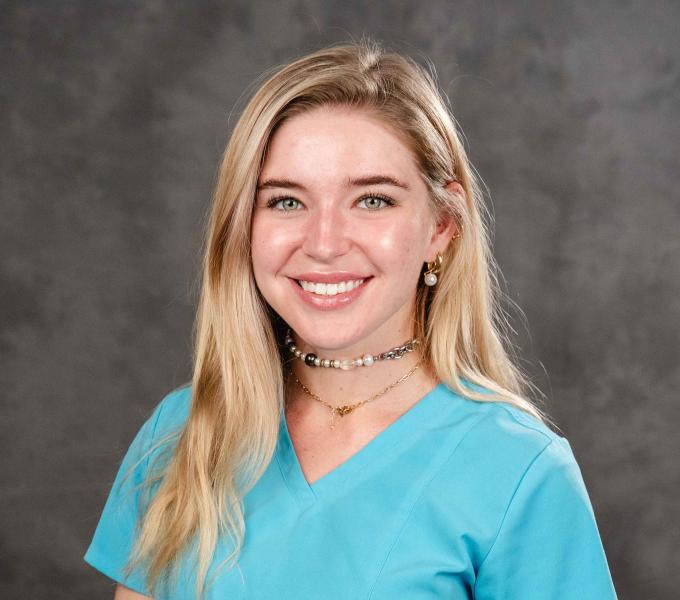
pixel 330 289
pixel 326 296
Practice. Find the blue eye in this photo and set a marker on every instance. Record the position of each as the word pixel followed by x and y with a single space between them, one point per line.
pixel 284 204
pixel 373 205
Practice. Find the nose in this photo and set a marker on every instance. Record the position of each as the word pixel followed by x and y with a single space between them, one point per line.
pixel 325 235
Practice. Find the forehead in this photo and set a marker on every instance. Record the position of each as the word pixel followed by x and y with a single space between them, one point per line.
pixel 334 142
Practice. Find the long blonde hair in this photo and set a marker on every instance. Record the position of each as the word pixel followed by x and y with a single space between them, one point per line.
pixel 237 385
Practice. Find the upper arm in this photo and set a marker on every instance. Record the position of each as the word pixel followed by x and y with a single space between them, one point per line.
pixel 115 534
pixel 124 593
pixel 116 530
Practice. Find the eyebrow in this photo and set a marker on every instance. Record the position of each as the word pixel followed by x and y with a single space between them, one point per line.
pixel 357 182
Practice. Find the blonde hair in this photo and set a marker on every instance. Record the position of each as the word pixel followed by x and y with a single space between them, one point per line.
pixel 237 385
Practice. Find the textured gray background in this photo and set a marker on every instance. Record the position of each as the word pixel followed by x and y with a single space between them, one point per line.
pixel 113 116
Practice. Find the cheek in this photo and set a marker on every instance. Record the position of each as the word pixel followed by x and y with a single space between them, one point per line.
pixel 270 245
pixel 401 245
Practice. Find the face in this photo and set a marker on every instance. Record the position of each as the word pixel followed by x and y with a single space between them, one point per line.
pixel 341 228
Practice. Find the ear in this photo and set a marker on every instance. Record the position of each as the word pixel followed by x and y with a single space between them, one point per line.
pixel 445 226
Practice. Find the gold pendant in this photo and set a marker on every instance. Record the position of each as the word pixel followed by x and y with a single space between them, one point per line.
pixel 340 411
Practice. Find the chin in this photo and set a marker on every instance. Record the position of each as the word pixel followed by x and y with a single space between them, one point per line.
pixel 330 336
pixel 328 341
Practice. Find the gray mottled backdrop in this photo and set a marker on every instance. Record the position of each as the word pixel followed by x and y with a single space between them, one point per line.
pixel 112 119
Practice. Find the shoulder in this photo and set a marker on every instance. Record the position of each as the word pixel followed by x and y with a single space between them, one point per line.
pixel 171 413
pixel 155 440
pixel 500 456
pixel 501 444
pixel 521 442
pixel 498 422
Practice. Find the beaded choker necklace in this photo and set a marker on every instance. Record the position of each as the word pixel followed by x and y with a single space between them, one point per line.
pixel 366 360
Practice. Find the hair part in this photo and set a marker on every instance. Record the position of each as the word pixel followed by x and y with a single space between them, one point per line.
pixel 238 388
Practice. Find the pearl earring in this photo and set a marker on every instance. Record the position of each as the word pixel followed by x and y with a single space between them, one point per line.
pixel 430 276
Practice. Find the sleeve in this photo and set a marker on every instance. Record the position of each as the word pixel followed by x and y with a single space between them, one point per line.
pixel 117 528
pixel 548 546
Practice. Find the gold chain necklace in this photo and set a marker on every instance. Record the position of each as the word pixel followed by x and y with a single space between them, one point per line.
pixel 341 411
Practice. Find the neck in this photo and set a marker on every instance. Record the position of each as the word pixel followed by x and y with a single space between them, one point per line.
pixel 339 387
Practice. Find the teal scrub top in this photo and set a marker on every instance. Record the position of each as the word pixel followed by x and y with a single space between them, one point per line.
pixel 455 499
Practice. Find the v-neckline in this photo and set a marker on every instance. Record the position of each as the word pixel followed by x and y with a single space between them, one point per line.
pixel 291 468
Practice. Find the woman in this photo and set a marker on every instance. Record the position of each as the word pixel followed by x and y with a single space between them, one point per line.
pixel 354 427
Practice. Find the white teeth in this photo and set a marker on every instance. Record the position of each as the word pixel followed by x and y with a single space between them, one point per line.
pixel 330 289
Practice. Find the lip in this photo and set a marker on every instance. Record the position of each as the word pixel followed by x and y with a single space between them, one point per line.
pixel 329 302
